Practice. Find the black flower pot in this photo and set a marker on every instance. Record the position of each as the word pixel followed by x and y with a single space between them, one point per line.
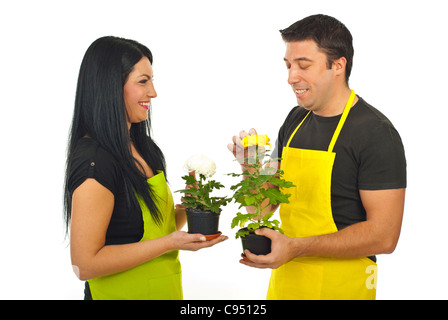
pixel 204 222
pixel 259 245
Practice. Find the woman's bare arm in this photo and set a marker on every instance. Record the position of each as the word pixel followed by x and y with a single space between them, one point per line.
pixel 92 206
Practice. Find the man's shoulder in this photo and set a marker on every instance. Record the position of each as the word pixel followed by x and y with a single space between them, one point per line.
pixel 365 111
pixel 364 115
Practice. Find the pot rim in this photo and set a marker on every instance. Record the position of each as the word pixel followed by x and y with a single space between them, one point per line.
pixel 191 210
pixel 253 232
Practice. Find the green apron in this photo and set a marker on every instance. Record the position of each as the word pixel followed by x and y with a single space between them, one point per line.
pixel 156 279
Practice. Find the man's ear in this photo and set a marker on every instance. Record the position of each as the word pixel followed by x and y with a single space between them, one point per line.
pixel 339 65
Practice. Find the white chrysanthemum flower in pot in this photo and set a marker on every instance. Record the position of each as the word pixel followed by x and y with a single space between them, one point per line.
pixel 202 208
pixel 201 165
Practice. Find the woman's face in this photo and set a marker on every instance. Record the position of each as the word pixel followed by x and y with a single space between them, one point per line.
pixel 138 91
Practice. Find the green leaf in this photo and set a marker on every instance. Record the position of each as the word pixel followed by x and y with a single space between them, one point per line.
pixel 275 196
pixel 267 216
pixel 241 219
pixel 189 179
pixel 241 233
pixel 253 226
pixel 249 200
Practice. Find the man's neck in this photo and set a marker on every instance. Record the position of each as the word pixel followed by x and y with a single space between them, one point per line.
pixel 337 104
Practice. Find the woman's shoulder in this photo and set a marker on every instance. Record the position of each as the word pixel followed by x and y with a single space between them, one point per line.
pixel 90 160
pixel 90 149
pixel 86 146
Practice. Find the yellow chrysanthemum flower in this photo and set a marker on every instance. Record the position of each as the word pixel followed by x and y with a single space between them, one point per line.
pixel 256 140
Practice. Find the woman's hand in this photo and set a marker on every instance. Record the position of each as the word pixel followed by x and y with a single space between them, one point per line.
pixel 180 240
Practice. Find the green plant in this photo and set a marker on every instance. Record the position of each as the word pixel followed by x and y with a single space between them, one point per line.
pixel 198 193
pixel 260 187
pixel 198 196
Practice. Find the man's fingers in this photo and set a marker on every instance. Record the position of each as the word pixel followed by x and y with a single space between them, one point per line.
pixel 237 141
pixel 252 132
pixel 254 260
pixel 243 133
pixel 237 148
pixel 232 148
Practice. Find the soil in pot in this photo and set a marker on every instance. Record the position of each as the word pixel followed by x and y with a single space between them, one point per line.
pixel 259 245
pixel 204 222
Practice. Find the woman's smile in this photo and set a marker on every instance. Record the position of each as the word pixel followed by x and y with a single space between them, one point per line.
pixel 144 104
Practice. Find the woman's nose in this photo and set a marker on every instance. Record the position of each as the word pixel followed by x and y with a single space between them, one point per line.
pixel 152 93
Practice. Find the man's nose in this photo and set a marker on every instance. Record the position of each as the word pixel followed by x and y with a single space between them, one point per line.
pixel 293 75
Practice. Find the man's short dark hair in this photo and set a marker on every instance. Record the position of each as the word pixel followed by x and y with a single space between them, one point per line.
pixel 331 36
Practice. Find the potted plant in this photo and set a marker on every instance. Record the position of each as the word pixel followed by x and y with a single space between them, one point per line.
pixel 202 209
pixel 262 186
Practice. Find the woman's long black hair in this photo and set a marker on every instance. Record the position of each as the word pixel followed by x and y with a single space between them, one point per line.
pixel 100 113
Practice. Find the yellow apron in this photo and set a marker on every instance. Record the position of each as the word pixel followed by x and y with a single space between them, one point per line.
pixel 308 214
pixel 157 279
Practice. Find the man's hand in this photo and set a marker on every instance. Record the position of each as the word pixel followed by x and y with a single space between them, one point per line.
pixel 241 153
pixel 283 249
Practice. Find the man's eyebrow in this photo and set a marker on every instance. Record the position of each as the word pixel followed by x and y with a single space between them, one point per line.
pixel 299 59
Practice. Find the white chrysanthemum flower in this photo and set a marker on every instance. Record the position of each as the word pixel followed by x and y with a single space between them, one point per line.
pixel 201 164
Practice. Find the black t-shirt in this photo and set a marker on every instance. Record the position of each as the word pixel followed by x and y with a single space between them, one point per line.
pixel 90 160
pixel 369 155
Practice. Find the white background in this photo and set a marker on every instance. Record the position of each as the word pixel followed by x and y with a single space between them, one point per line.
pixel 218 69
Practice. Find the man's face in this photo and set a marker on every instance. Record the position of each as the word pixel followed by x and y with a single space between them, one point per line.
pixel 309 75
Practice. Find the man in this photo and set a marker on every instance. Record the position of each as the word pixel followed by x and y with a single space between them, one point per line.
pixel 348 165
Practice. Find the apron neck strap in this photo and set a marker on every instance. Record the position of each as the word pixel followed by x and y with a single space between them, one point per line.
pixel 294 133
pixel 338 128
pixel 342 121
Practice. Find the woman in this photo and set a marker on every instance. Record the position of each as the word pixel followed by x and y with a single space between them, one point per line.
pixel 123 223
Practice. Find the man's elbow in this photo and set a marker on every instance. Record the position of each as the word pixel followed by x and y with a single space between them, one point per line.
pixel 388 246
